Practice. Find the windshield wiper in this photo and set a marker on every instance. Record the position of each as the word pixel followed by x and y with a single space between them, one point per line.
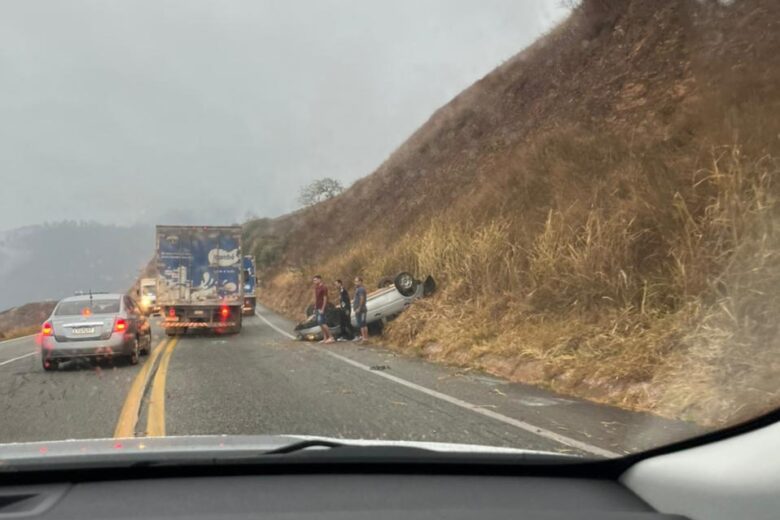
pixel 304 445
pixel 311 450
pixel 330 450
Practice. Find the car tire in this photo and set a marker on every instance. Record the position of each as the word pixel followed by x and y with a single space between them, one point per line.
pixel 148 349
pixel 50 365
pixel 135 353
pixel 237 328
pixel 405 283
pixel 375 328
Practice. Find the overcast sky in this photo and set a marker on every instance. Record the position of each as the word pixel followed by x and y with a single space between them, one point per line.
pixel 147 111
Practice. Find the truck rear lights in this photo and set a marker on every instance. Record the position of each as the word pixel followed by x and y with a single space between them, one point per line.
pixel 224 312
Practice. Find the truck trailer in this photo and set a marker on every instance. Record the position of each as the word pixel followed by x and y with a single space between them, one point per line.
pixel 200 285
pixel 250 286
pixel 147 291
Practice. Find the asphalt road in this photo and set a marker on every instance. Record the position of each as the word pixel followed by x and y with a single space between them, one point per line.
pixel 262 382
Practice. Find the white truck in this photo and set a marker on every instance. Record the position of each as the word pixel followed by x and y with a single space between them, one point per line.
pixel 147 291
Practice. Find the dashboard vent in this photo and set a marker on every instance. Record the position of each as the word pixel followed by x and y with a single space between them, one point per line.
pixel 7 502
pixel 28 501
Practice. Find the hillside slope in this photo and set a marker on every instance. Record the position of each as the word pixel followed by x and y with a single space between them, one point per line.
pixel 601 213
pixel 24 320
pixel 54 260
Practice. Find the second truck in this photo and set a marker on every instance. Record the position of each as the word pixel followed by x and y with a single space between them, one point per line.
pixel 148 293
pixel 250 286
pixel 201 278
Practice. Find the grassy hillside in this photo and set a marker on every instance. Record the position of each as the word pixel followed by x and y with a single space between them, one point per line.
pixel 24 320
pixel 600 211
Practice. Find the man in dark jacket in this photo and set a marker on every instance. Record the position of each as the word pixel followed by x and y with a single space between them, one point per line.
pixel 361 309
pixel 345 306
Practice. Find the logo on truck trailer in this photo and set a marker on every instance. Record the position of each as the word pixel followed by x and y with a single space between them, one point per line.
pixel 223 258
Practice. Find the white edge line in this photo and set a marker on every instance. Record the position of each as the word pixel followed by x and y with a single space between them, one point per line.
pixel 542 432
pixel 17 358
pixel 14 340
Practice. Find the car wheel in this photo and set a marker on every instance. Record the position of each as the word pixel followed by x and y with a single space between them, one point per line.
pixel 148 348
pixel 405 284
pixel 135 354
pixel 375 328
pixel 50 364
pixel 237 327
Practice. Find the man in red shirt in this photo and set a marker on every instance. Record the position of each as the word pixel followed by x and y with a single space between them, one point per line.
pixel 320 303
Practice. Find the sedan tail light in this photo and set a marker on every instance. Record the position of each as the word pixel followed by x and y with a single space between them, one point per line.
pixel 120 325
pixel 47 329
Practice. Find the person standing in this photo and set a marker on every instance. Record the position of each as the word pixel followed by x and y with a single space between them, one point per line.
pixel 346 307
pixel 360 308
pixel 320 304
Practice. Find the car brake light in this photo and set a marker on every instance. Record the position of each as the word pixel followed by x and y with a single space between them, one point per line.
pixel 47 329
pixel 120 325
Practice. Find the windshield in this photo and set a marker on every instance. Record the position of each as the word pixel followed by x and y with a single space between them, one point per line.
pixel 549 226
pixel 94 306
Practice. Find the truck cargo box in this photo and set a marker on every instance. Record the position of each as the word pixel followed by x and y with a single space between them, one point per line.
pixel 201 282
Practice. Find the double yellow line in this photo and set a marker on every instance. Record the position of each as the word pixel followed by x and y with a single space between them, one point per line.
pixel 131 409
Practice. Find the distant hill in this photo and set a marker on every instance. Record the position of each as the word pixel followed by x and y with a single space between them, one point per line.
pixel 24 320
pixel 51 261
pixel 600 211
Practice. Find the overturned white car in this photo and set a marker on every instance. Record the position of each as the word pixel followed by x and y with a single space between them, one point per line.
pixel 388 301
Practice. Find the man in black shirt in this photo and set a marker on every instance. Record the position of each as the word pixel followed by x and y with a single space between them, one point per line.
pixel 345 306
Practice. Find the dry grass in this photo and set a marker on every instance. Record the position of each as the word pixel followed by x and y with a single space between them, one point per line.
pixel 587 318
pixel 24 320
pixel 19 332
pixel 690 334
pixel 608 231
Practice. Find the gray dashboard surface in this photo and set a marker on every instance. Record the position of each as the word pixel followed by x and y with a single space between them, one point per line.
pixel 735 478
pixel 351 496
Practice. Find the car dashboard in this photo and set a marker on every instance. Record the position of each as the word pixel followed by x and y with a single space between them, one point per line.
pixel 284 497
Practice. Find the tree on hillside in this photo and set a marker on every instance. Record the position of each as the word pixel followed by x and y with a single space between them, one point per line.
pixel 319 191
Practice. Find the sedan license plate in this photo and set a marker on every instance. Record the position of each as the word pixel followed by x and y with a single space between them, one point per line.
pixel 84 330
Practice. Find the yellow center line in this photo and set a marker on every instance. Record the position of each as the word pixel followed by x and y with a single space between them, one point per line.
pixel 155 420
pixel 128 417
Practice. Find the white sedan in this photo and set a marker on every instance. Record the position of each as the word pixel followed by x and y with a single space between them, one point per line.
pixel 393 296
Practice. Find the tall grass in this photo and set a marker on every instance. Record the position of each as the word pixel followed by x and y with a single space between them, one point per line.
pixel 587 229
pixel 578 307
pixel 732 346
